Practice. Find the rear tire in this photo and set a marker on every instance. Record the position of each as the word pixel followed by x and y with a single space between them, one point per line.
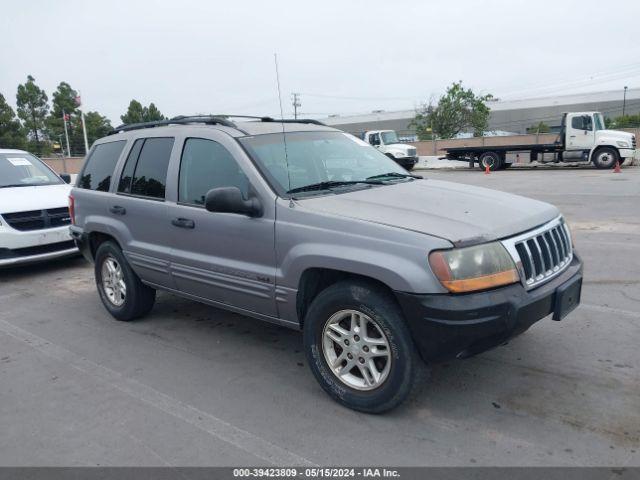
pixel 492 159
pixel 605 157
pixel 373 356
pixel 122 292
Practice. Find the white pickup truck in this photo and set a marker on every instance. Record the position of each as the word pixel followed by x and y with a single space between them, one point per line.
pixel 583 138
pixel 387 142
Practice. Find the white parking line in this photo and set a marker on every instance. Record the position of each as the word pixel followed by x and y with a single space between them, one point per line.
pixel 235 436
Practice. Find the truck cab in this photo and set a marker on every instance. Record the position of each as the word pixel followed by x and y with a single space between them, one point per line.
pixel 388 143
pixel 586 138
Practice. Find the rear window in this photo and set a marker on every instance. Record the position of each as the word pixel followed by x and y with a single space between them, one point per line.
pixel 150 174
pixel 99 166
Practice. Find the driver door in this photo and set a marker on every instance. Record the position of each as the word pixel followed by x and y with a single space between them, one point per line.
pixel 225 258
pixel 580 132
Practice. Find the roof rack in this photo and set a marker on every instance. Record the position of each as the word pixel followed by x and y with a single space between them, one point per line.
pixel 294 120
pixel 275 120
pixel 179 120
pixel 222 119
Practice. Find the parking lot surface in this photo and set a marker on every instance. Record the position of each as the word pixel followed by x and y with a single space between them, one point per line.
pixel 194 385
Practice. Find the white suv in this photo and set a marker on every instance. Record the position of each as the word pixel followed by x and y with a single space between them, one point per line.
pixel 34 212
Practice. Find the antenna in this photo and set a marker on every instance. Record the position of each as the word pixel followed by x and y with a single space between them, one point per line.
pixel 284 136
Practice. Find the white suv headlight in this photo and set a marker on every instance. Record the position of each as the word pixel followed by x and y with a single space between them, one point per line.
pixel 623 144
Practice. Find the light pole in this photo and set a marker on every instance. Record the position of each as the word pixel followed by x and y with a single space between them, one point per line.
pixel 624 100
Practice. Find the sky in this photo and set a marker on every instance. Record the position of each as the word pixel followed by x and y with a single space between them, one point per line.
pixel 343 57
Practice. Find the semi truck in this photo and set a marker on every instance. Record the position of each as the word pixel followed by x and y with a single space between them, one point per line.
pixel 582 138
pixel 388 143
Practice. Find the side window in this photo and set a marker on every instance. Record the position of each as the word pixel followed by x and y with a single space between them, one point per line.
pixel 374 139
pixel 576 122
pixel 124 185
pixel 99 166
pixel 150 174
pixel 582 122
pixel 206 164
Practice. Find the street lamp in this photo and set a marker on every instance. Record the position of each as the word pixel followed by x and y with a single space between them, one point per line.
pixel 624 100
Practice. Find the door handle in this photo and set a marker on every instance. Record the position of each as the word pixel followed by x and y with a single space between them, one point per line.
pixel 117 210
pixel 572 136
pixel 183 223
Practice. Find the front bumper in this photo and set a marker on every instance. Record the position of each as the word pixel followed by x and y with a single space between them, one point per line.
pixel 22 247
pixel 446 326
pixel 406 162
pixel 627 152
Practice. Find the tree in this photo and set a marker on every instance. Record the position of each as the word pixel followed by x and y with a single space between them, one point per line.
pixel 626 121
pixel 97 126
pixel 32 105
pixel 457 110
pixel 64 102
pixel 152 114
pixel 136 113
pixel 12 135
pixel 539 128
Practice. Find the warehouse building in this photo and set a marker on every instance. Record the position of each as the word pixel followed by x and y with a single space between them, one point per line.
pixel 514 116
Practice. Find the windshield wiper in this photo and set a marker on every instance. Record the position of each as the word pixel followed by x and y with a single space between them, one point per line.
pixel 330 184
pixel 394 175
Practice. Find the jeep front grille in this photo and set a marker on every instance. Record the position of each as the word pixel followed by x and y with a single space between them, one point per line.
pixel 38 219
pixel 541 254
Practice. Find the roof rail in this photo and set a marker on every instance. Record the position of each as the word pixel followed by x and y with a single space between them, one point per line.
pixel 275 120
pixel 222 119
pixel 294 120
pixel 179 120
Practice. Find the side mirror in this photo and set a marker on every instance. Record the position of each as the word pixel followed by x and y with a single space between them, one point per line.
pixel 66 178
pixel 229 200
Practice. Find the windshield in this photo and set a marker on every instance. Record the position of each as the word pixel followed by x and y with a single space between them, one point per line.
pixel 599 122
pixel 389 137
pixel 23 170
pixel 314 157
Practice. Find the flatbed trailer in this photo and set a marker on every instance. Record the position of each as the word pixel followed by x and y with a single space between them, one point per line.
pixel 582 138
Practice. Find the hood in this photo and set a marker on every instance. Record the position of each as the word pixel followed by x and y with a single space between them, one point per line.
pixel 399 146
pixel 24 199
pixel 462 214
pixel 615 135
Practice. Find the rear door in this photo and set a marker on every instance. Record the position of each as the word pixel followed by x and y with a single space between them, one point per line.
pixel 222 257
pixel 139 211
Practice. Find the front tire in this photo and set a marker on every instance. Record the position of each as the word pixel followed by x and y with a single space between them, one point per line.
pixel 122 292
pixel 605 157
pixel 359 347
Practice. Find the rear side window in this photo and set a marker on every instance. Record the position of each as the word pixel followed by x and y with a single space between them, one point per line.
pixel 145 172
pixel 124 185
pixel 99 166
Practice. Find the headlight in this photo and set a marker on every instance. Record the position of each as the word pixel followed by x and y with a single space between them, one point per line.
pixel 474 268
pixel 622 144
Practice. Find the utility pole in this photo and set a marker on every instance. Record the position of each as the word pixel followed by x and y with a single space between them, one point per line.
pixel 296 103
pixel 624 100
pixel 84 133
pixel 66 133
pixel 78 101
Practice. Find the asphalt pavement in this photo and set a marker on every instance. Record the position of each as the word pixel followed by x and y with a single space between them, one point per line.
pixel 193 385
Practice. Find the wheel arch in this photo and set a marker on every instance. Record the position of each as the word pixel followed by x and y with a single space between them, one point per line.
pixel 97 238
pixel 316 279
pixel 597 148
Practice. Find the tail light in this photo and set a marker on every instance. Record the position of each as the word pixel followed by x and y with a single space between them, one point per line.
pixel 72 209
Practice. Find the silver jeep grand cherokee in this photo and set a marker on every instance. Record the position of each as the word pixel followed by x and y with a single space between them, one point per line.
pixel 302 225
